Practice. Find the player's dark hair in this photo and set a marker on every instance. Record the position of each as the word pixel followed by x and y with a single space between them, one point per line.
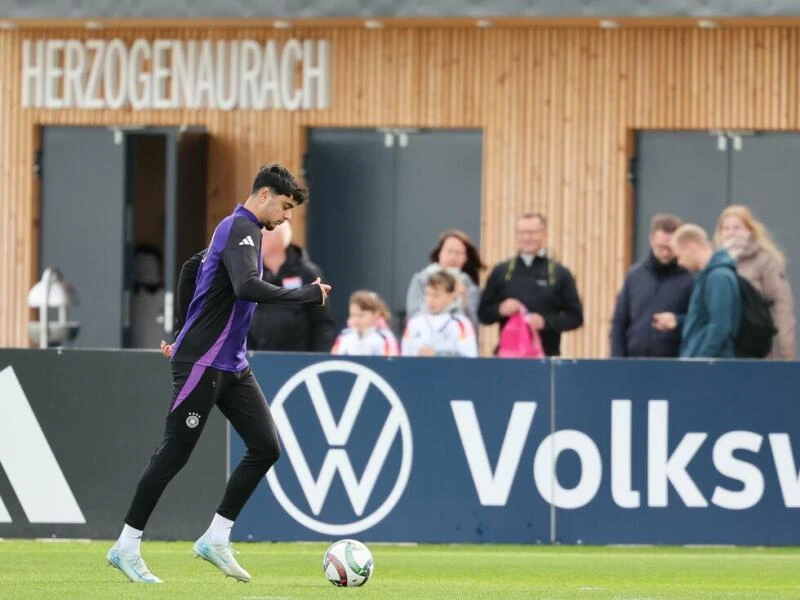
pixel 473 265
pixel 281 181
pixel 442 280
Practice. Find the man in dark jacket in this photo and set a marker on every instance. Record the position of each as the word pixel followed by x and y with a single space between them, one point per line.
pixel 653 285
pixel 715 307
pixel 186 285
pixel 284 327
pixel 532 281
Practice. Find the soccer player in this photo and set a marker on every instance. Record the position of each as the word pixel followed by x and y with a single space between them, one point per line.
pixel 209 367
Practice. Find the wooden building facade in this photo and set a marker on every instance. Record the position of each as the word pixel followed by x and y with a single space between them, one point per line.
pixel 558 107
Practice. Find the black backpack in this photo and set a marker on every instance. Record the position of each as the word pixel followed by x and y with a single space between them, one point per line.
pixel 756 328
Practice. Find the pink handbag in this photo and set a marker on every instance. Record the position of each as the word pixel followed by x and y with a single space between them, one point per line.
pixel 518 340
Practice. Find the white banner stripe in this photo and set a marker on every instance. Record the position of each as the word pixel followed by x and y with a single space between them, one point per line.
pixel 29 462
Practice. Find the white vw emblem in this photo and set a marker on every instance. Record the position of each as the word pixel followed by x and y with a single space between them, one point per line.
pixel 337 434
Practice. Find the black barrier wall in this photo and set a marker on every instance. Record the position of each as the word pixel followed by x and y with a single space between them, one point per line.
pixel 102 414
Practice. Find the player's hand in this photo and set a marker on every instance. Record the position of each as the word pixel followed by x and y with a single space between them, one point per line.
pixel 665 321
pixel 426 351
pixel 535 321
pixel 166 349
pixel 510 306
pixel 324 288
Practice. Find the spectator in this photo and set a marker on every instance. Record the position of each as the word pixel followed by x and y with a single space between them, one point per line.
pixel 289 327
pixel 147 304
pixel 534 282
pixel 440 331
pixel 715 307
pixel 653 285
pixel 367 332
pixel 455 253
pixel 184 295
pixel 186 286
pixel 763 265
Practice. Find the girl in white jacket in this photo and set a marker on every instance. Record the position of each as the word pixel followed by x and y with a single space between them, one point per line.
pixel 439 331
pixel 367 332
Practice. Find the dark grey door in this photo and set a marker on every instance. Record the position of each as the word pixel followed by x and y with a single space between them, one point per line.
pixel 82 225
pixel 765 176
pixel 679 172
pixel 380 199
pixel 438 187
pixel 192 174
pixel 186 223
pixel 350 213
pixel 90 204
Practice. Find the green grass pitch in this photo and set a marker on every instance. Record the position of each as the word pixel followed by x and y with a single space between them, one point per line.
pixel 61 570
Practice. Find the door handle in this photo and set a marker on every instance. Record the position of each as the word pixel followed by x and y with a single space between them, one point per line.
pixel 126 309
pixel 168 311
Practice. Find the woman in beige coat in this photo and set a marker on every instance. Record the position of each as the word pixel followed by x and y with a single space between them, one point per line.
pixel 762 264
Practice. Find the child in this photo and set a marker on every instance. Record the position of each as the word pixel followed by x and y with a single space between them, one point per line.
pixel 367 332
pixel 437 331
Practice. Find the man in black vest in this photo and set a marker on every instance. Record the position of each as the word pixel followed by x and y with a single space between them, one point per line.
pixel 534 282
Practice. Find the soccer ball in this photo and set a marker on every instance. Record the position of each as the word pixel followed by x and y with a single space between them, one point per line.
pixel 348 563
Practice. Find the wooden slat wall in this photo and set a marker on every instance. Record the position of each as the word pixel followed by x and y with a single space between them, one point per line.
pixel 557 107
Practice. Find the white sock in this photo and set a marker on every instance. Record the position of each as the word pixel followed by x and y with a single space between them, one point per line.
pixel 219 532
pixel 130 540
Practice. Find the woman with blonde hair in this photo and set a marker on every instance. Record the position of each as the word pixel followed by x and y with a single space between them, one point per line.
pixel 760 262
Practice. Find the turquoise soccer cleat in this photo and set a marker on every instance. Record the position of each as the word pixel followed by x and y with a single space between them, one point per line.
pixel 221 556
pixel 131 565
